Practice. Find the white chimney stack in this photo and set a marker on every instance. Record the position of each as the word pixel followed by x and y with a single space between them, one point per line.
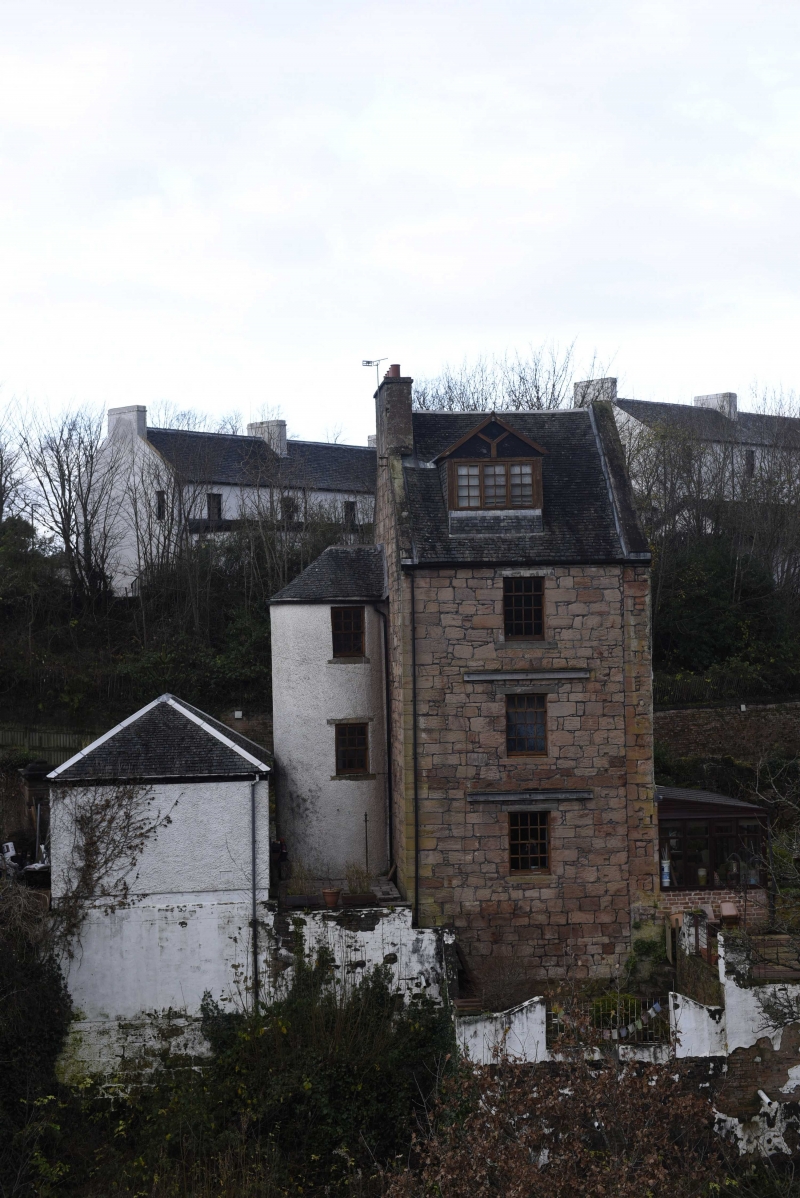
pixel 273 432
pixel 594 391
pixel 131 419
pixel 372 440
pixel 722 401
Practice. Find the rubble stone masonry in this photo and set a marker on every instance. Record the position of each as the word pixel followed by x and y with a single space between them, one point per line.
pixel 599 737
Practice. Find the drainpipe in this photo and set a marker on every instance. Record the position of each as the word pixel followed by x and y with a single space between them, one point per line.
pixel 414 747
pixel 388 705
pixel 253 784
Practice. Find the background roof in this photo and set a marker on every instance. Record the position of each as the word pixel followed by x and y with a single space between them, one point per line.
pixel 246 461
pixel 749 428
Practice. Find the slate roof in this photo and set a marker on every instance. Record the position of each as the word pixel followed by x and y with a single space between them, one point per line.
pixel 587 510
pixel 168 738
pixel 678 796
pixel 749 428
pixel 346 572
pixel 245 461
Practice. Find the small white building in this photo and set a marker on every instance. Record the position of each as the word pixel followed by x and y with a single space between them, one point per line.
pixel 329 710
pixel 186 801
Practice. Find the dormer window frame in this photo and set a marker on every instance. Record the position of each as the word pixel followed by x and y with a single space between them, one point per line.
pixel 485 470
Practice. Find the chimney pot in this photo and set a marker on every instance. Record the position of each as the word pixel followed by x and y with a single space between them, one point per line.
pixel 393 372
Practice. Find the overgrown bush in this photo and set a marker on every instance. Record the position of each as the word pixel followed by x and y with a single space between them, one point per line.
pixel 316 1093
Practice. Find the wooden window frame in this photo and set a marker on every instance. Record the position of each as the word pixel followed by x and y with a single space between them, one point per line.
pixel 536 483
pixel 512 701
pixel 509 594
pixel 349 732
pixel 529 821
pixel 336 612
pixel 211 501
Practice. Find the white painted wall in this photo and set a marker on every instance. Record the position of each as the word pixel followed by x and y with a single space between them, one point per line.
pixel 697 1030
pixel 185 928
pixel 205 848
pixel 322 818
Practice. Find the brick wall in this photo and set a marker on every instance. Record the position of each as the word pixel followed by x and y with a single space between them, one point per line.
pixel 753 911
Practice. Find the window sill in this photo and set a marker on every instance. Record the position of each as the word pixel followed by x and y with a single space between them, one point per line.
pixel 347 661
pixel 539 879
pixel 533 642
pixel 352 777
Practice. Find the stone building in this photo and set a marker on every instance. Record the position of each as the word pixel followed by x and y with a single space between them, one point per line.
pixel 519 794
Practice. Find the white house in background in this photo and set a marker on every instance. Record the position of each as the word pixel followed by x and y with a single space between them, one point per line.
pixel 174 482
pixel 329 725
pixel 185 926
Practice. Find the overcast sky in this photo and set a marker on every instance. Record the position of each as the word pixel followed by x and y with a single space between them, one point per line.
pixel 228 205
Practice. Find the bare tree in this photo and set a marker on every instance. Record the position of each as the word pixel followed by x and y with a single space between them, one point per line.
pixel 74 476
pixel 11 472
pixel 538 382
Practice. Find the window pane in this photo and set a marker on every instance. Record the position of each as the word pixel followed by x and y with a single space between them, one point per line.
pixel 697 854
pixel 347 624
pixel 671 836
pixel 351 748
pixel 523 606
pixel 521 482
pixel 469 486
pixel 727 866
pixel 525 723
pixel 750 849
pixel 494 486
pixel 527 840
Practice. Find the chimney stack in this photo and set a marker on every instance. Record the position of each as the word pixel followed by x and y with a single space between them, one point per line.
pixel 372 441
pixel 273 432
pixel 393 413
pixel 722 401
pixel 130 419
pixel 594 391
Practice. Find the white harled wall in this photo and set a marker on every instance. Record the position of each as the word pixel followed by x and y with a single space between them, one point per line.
pixel 185 927
pixel 322 817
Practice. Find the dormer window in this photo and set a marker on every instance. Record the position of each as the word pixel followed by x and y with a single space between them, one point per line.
pixel 495 485
pixel 494 468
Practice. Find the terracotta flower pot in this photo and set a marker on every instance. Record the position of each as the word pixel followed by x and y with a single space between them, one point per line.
pixel 331 897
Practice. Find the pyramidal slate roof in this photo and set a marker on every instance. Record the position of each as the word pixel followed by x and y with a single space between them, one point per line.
pixel 343 572
pixel 588 514
pixel 168 739
pixel 239 461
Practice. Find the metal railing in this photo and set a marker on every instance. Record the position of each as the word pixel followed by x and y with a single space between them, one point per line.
pixel 618 1018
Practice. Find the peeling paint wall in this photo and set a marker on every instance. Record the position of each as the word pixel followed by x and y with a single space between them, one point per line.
pixel 519 1033
pixel 144 970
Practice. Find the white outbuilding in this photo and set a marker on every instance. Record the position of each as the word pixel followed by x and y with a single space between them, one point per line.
pixel 329 713
pixel 160 845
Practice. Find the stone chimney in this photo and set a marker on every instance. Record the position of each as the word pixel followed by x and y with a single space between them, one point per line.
pixel 372 441
pixel 130 419
pixel 723 401
pixel 593 391
pixel 393 413
pixel 273 432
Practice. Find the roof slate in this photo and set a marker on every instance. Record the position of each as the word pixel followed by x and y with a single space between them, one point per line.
pixel 680 796
pixel 247 461
pixel 580 521
pixel 347 572
pixel 749 428
pixel 163 741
